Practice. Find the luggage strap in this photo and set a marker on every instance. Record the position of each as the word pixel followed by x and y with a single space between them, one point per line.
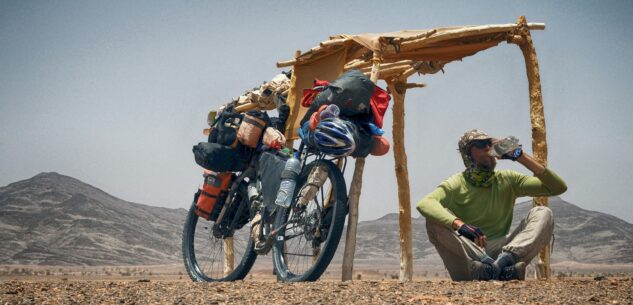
pixel 252 121
pixel 221 194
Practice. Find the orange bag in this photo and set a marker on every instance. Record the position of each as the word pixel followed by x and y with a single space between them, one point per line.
pixel 212 194
pixel 250 130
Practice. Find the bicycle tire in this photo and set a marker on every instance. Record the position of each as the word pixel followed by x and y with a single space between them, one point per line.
pixel 287 259
pixel 207 264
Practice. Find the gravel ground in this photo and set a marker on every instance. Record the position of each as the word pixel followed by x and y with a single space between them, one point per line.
pixel 567 291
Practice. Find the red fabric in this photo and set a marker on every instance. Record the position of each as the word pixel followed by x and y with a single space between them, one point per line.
pixel 320 83
pixel 315 119
pixel 310 94
pixel 379 103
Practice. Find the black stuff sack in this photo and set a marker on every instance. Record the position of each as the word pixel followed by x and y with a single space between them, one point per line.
pixel 270 167
pixel 218 158
pixel 364 143
pixel 351 92
pixel 224 131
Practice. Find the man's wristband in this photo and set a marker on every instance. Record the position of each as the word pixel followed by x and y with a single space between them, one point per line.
pixel 513 155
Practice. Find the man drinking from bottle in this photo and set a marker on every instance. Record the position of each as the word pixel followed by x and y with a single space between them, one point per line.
pixel 469 214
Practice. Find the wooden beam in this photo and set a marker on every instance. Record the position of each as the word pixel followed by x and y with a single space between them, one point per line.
pixel 287 63
pixel 391 65
pixel 229 256
pixel 357 64
pixel 376 61
pixel 407 73
pixel 537 120
pixel 354 196
pixel 463 32
pixel 246 107
pixel 421 35
pixel 516 39
pixel 352 221
pixel 394 70
pixel 334 42
pixel 414 85
pixel 398 91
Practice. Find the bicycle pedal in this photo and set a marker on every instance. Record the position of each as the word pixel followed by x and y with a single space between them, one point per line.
pixel 263 247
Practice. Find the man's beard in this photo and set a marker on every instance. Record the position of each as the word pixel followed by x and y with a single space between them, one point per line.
pixel 488 164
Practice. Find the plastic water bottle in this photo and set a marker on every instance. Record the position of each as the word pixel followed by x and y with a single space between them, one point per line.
pixel 331 111
pixel 288 182
pixel 504 146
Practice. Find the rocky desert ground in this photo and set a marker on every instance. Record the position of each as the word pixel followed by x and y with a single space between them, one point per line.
pixel 170 285
pixel 599 290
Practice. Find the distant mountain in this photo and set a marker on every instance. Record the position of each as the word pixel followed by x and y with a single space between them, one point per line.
pixel 580 235
pixel 52 219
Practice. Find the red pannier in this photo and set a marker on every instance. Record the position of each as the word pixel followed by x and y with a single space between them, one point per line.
pixel 212 194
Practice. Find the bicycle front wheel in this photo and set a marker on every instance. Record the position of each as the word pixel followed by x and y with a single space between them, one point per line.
pixel 310 229
pixel 210 255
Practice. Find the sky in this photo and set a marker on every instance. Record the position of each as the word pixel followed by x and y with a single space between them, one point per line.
pixel 116 93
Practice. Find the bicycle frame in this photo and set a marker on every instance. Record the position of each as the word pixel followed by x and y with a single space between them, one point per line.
pixel 303 154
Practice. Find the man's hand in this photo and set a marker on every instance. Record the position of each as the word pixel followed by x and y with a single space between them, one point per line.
pixel 514 154
pixel 473 233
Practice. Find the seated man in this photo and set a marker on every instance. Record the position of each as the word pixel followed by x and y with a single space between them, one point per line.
pixel 478 204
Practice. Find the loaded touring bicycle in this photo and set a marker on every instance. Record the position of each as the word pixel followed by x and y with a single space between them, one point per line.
pixel 259 196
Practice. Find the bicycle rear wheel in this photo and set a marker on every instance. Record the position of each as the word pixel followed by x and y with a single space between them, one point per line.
pixel 207 254
pixel 310 232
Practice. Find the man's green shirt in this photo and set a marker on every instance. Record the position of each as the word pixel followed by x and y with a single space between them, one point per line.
pixel 488 208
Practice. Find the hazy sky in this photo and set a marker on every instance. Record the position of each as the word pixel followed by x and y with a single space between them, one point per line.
pixel 115 93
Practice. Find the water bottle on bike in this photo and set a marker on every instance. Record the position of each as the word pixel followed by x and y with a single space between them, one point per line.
pixel 288 182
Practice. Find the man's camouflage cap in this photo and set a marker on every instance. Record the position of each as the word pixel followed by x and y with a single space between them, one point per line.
pixel 470 136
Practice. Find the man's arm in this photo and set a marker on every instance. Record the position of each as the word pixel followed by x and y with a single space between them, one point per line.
pixel 431 206
pixel 545 182
pixel 531 164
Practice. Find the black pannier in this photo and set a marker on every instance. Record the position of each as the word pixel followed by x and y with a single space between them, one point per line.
pixel 351 92
pixel 364 143
pixel 224 132
pixel 221 158
pixel 269 173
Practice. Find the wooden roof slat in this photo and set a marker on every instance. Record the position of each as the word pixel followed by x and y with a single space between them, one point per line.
pixel 403 46
pixel 464 32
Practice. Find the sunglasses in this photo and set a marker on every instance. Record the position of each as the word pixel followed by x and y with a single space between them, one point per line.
pixel 481 144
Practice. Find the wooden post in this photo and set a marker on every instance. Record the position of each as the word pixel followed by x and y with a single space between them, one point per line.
pixel 354 196
pixel 537 119
pixel 229 256
pixel 398 91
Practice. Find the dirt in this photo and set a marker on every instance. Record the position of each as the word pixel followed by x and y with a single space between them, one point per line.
pixel 601 290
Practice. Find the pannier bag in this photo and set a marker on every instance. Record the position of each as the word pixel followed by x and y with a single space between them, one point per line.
pixel 364 140
pixel 225 130
pixel 270 167
pixel 213 194
pixel 351 92
pixel 251 129
pixel 220 158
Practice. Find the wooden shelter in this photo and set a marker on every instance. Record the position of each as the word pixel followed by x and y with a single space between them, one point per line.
pixel 394 57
